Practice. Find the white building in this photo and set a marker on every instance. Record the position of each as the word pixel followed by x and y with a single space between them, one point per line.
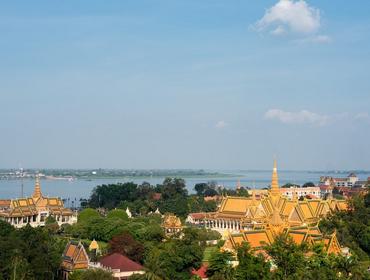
pixel 300 192
pixel 347 182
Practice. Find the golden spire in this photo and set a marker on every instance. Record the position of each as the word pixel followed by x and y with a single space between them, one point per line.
pixel 274 182
pixel 37 191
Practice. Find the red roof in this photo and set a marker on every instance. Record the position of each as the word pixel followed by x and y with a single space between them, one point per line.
pixel 325 187
pixel 121 262
pixel 201 272
pixel 197 216
pixel 5 202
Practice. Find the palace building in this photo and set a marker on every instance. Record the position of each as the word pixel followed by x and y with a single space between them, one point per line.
pixel 35 209
pixel 260 220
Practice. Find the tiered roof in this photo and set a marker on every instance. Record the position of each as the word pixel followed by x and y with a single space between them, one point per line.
pixel 275 214
pixel 294 211
pixel 22 207
pixel 74 257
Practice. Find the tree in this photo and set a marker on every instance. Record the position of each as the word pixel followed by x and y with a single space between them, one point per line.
pixel 173 187
pixel 91 274
pixel 110 196
pixel 126 245
pixel 308 185
pixel 175 258
pixel 288 257
pixel 352 226
pixel 251 267
pixel 210 192
pixel 220 265
pixel 200 188
pixel 30 253
pixel 5 229
pixel 87 214
pixel 290 185
pixel 117 214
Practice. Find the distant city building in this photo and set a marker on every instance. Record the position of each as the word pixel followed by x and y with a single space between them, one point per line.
pixel 35 210
pixel 347 182
pixel 312 192
pixel 326 191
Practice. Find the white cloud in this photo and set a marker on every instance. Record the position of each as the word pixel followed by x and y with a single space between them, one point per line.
pixel 221 124
pixel 292 17
pixel 323 39
pixel 362 116
pixel 300 117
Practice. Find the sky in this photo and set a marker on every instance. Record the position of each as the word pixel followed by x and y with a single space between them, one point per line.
pixel 185 84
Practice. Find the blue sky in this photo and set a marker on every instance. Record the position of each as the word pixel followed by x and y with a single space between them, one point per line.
pixel 185 84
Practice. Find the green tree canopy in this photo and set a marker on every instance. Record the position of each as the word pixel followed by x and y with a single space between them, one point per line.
pixel 88 214
pixel 91 274
pixel 117 214
pixel 250 266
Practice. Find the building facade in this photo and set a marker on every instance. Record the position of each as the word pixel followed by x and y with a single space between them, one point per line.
pixel 34 210
pixel 346 182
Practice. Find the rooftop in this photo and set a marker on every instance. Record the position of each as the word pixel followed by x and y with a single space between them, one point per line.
pixel 121 262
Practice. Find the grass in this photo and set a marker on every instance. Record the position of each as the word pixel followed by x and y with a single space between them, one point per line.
pixel 208 252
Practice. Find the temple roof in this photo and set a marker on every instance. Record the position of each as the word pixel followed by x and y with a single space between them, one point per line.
pixel 31 205
pixel 121 262
pixel 171 221
pixel 74 256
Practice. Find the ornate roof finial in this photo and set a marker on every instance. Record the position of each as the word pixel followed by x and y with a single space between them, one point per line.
pixel 37 191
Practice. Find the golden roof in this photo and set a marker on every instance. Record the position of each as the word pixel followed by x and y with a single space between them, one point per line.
pixel 171 221
pixel 94 245
pixel 31 205
pixel 257 239
pixel 74 257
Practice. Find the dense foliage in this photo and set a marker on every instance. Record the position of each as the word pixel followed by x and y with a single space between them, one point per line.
pixel 171 196
pixel 175 258
pixel 29 253
pixel 352 226
pixel 287 260
pixel 91 274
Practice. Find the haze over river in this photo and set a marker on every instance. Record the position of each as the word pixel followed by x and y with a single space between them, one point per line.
pixel 81 188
